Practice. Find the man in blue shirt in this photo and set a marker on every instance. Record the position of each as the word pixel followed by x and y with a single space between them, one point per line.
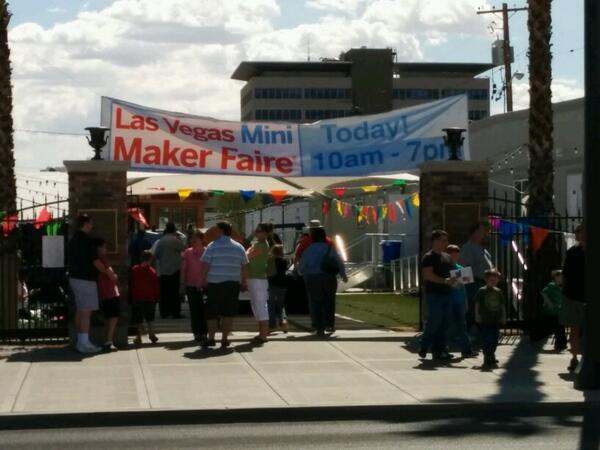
pixel 226 262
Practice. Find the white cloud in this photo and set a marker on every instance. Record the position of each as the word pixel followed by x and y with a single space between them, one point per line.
pixel 179 55
pixel 563 89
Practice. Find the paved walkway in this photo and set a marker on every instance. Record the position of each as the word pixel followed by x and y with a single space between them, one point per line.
pixel 357 367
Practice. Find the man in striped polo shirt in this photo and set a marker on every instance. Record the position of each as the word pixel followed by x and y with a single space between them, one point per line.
pixel 226 262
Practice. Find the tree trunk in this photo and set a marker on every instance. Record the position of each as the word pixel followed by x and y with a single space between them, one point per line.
pixel 541 152
pixel 8 191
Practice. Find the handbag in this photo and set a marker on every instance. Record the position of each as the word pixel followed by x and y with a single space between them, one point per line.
pixel 330 265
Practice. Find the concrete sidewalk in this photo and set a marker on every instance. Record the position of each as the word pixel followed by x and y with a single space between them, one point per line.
pixel 356 367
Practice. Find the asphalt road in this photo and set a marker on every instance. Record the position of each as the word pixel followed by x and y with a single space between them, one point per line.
pixel 529 433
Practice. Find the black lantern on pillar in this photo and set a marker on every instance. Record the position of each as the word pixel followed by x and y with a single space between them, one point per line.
pixel 454 140
pixel 97 140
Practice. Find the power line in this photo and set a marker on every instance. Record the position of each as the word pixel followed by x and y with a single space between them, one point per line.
pixel 59 133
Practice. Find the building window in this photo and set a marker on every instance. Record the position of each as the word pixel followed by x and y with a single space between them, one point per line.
pixel 277 93
pixel 328 93
pixel 278 114
pixel 415 94
pixel 321 114
pixel 477 114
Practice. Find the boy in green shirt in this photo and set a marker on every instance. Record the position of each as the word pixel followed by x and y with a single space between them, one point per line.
pixel 490 313
pixel 553 303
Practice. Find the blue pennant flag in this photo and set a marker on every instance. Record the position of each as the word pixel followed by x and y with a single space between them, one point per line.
pixel 408 207
pixel 507 231
pixel 247 195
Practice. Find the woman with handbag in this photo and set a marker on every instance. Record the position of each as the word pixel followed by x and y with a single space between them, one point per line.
pixel 320 265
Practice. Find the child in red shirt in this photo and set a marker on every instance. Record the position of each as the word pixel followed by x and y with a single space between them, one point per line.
pixel 108 293
pixel 144 294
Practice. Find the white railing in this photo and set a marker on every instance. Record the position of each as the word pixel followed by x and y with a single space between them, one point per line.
pixel 406 276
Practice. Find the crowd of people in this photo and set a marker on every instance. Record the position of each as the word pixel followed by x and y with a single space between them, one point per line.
pixel 211 275
pixel 460 311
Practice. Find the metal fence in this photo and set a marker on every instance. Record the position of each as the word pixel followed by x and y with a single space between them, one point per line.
pixel 511 253
pixel 33 303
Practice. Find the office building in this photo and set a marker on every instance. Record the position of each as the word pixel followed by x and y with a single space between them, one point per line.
pixel 361 81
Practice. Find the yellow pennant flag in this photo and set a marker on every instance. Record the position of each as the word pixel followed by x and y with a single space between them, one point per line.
pixel 370 189
pixel 340 208
pixel 384 211
pixel 415 200
pixel 184 193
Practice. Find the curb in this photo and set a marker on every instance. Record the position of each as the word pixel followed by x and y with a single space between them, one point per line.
pixel 385 413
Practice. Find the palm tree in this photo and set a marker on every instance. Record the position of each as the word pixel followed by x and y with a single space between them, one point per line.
pixel 541 147
pixel 8 192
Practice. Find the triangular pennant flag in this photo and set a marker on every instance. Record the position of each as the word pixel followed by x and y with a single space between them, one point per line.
pixel 137 215
pixel 9 223
pixel 374 214
pixel 507 231
pixel 495 223
pixel 399 183
pixel 415 200
pixel 43 217
pixel 538 236
pixel 340 207
pixel 184 193
pixel 247 195
pixel 278 195
pixel 408 209
pixel 339 191
pixel 325 207
pixel 347 210
pixel 370 189
pixel 383 212
pixel 392 213
pixel 217 192
pixel 365 213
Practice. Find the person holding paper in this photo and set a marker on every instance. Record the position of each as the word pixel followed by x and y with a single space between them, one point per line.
pixel 458 308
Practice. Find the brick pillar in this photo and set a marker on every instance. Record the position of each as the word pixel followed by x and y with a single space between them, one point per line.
pixel 99 189
pixel 454 196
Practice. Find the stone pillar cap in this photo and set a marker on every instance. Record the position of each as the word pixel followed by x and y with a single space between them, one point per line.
pixel 96 166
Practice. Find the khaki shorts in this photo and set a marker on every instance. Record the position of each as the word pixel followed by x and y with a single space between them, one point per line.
pixel 85 293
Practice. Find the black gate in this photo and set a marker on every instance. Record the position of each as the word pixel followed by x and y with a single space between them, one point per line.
pixel 34 304
pixel 510 251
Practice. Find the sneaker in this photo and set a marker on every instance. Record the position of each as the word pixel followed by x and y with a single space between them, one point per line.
pixel 225 343
pixel 88 348
pixel 444 356
pixel 109 347
pixel 137 341
pixel 423 353
pixel 153 338
pixel 573 364
pixel 210 343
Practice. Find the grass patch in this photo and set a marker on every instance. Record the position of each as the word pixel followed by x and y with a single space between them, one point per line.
pixel 386 310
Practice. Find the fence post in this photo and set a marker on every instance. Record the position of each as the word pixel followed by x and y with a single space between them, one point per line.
pixel 8 286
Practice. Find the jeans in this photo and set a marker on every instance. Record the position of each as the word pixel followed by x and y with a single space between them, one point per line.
pixel 276 306
pixel 554 327
pixel 458 325
pixel 436 322
pixel 490 334
pixel 195 298
pixel 321 289
pixel 472 289
pixel 170 301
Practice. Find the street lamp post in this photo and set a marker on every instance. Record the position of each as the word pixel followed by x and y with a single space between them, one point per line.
pixel 589 375
pixel 97 140
pixel 454 140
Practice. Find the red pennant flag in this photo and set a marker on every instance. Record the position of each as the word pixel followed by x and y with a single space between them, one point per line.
pixel 9 223
pixel 278 196
pixel 325 207
pixel 347 210
pixel 137 215
pixel 392 213
pixel 538 236
pixel 365 213
pixel 43 217
pixel 339 191
pixel 374 214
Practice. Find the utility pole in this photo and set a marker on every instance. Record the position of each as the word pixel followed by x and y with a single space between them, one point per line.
pixel 507 62
pixel 589 376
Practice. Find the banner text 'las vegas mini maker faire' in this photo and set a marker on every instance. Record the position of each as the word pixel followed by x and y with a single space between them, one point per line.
pixel 390 142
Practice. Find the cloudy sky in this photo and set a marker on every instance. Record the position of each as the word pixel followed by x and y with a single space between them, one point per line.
pixel 179 54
